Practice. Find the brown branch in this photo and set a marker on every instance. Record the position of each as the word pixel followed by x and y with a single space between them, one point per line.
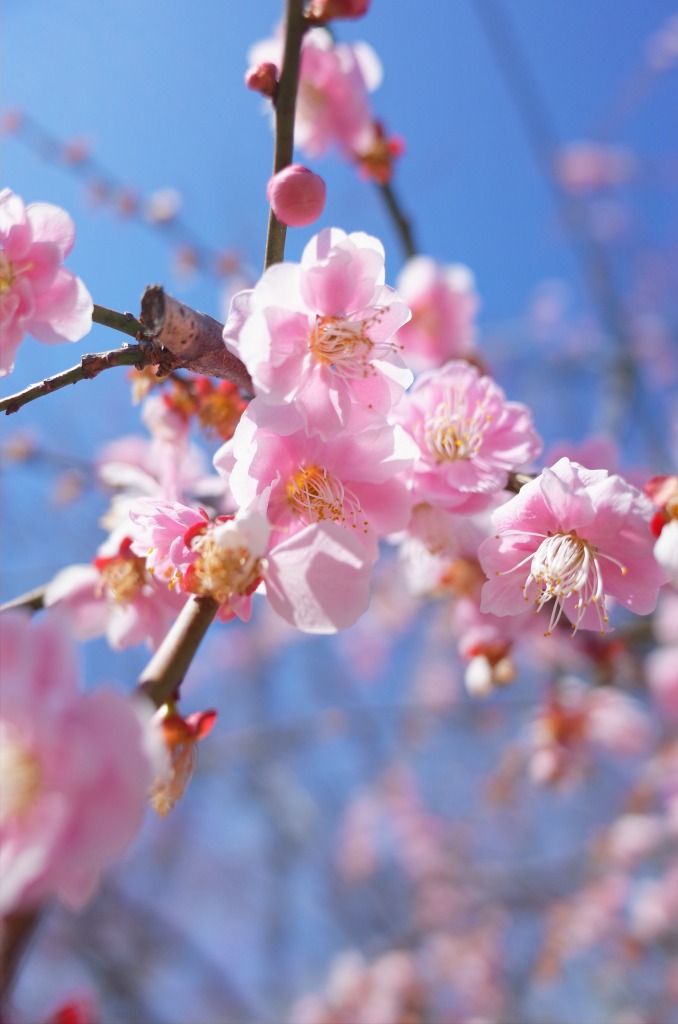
pixel 285 105
pixel 194 340
pixel 16 932
pixel 90 366
pixel 168 666
pixel 401 222
pixel 177 327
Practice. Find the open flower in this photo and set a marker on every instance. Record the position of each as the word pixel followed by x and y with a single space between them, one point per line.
pixel 317 336
pixel 352 480
pixel 75 769
pixel 574 537
pixel 333 107
pixel 318 580
pixel 444 304
pixel 38 295
pixel 469 437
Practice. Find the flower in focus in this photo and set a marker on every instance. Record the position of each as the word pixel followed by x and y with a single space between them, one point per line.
pixel 575 537
pixel 318 580
pixel 38 296
pixel 469 437
pixel 444 304
pixel 352 480
pixel 317 336
pixel 75 769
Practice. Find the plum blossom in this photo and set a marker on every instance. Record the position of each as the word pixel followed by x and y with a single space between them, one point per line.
pixel 469 437
pixel 574 720
pixel 575 537
pixel 115 596
pixel 444 304
pixel 317 336
pixel 318 580
pixel 38 296
pixel 333 107
pixel 76 769
pixel 350 480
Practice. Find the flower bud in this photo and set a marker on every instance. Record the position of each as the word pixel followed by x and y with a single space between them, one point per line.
pixel 325 10
pixel 263 78
pixel 296 195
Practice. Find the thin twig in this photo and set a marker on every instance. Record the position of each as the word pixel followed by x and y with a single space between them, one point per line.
pixel 90 366
pixel 401 222
pixel 285 105
pixel 123 322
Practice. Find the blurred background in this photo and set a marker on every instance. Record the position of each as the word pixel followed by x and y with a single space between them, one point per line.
pixel 362 841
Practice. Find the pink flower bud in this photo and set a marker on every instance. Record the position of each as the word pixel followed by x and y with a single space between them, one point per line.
pixel 296 195
pixel 263 78
pixel 324 10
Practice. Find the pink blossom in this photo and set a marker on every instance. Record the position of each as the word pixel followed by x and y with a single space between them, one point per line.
pixel 317 336
pixel 116 595
pixel 444 304
pixel 350 480
pixel 76 769
pixel 317 580
pixel 583 167
pixel 297 196
pixel 333 107
pixel 577 537
pixel 325 10
pixel 37 294
pixel 469 437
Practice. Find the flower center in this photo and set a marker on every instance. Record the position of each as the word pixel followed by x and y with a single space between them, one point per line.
pixel 314 494
pixel 123 577
pixel 342 345
pixel 566 565
pixel 7 273
pixel 454 430
pixel 224 567
pixel 20 776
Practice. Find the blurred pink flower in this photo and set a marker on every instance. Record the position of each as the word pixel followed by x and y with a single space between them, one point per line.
pixel 333 107
pixel 469 437
pixel 115 596
pixel 576 537
pixel 583 167
pixel 76 769
pixel 444 304
pixel 317 336
pixel 38 295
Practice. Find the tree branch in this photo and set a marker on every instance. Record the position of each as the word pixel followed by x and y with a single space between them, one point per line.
pixel 123 322
pixel 401 222
pixel 285 105
pixel 90 366
pixel 168 666
pixel 165 671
